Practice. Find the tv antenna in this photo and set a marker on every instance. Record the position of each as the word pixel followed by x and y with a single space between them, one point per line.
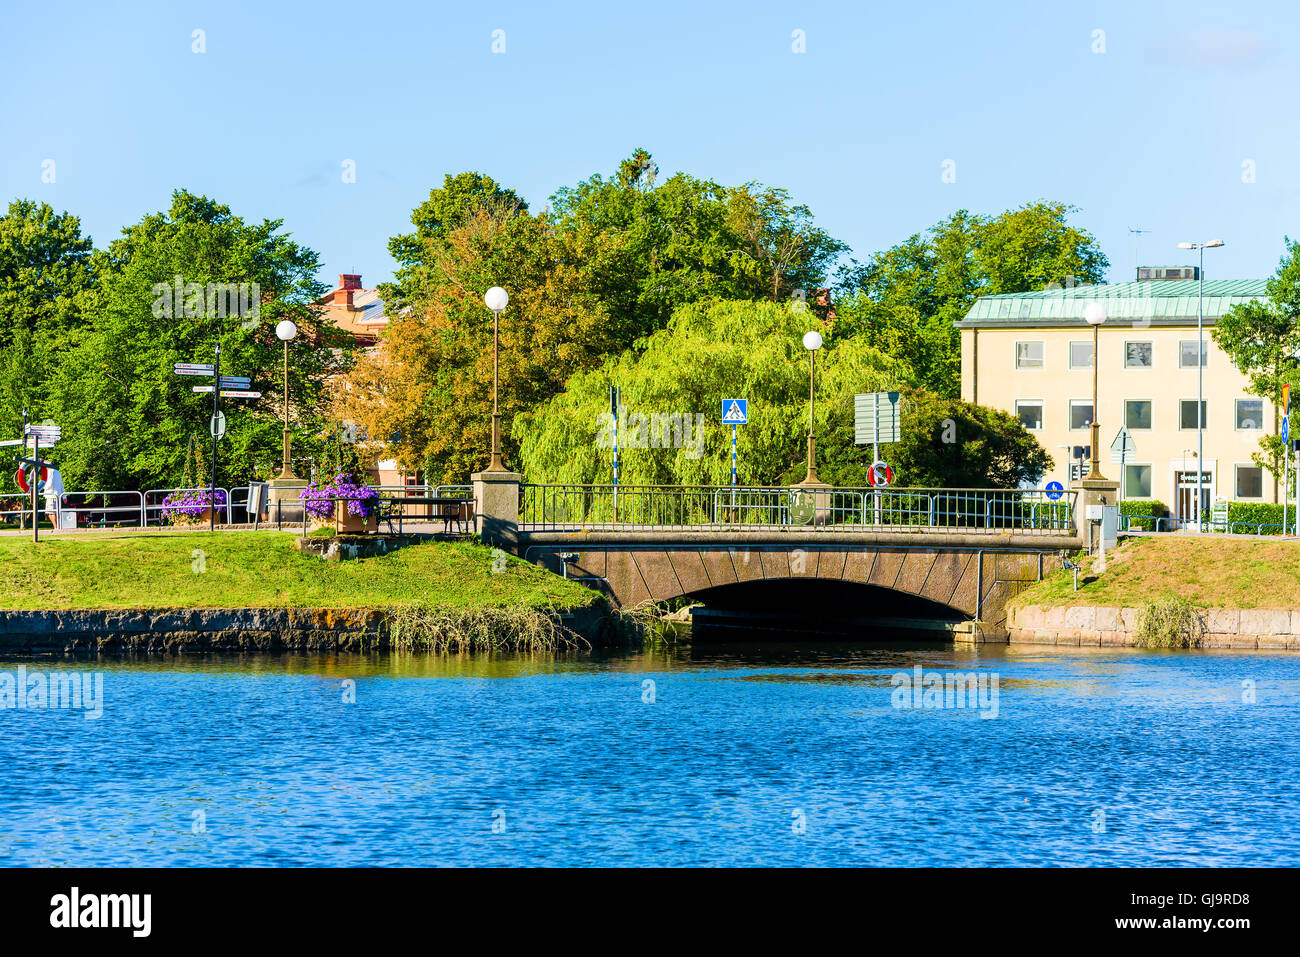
pixel 1137 232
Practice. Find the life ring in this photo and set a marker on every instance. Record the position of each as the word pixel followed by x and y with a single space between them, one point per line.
pixel 880 474
pixel 21 478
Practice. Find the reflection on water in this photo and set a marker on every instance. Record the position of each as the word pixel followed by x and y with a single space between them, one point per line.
pixel 675 755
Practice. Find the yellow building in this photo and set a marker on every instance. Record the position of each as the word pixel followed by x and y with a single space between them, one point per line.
pixel 1031 354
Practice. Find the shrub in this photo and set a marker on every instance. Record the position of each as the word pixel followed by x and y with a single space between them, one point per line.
pixel 1169 622
pixel 1143 507
pixel 1258 513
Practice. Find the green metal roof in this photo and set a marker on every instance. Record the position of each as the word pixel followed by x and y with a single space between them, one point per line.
pixel 1166 300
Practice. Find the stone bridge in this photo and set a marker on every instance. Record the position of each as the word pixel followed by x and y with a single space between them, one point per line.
pixel 973 570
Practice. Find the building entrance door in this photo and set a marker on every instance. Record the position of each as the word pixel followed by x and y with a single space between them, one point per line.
pixel 1185 503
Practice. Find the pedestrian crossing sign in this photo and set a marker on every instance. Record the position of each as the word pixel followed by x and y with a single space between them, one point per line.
pixel 735 411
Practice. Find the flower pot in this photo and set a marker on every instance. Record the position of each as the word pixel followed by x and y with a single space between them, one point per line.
pixel 345 523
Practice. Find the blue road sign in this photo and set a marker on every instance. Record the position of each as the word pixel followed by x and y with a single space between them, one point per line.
pixel 735 411
pixel 1286 429
pixel 1055 490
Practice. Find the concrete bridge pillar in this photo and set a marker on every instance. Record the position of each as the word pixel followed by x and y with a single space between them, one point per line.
pixel 496 508
pixel 1100 491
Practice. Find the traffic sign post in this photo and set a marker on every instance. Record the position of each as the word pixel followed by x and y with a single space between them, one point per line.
pixel 1120 450
pixel 615 393
pixel 1286 459
pixel 734 412
pixel 1055 490
pixel 223 387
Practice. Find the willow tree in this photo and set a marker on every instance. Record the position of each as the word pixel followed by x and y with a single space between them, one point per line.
pixel 670 425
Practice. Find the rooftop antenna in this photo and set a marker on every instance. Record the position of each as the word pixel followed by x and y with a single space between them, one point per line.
pixel 1137 232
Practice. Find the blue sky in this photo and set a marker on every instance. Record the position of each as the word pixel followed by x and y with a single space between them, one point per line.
pixel 1151 132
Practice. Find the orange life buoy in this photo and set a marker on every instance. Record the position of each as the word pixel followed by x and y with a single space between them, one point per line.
pixel 21 478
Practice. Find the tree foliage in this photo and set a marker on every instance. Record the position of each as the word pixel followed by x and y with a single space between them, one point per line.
pixel 908 297
pixel 126 417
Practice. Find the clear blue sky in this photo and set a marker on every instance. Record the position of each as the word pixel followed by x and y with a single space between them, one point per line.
pixel 1152 132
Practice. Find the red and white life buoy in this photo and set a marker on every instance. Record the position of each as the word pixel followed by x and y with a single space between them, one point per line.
pixel 21 478
pixel 880 474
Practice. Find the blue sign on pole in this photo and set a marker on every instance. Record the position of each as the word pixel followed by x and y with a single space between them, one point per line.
pixel 1055 490
pixel 1286 429
pixel 735 411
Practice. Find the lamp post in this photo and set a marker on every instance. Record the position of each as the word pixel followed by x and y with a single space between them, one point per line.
pixel 812 341
pixel 286 331
pixel 1095 315
pixel 1200 368
pixel 496 300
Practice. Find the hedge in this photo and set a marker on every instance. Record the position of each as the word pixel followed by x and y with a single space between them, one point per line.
pixel 1143 506
pixel 1259 513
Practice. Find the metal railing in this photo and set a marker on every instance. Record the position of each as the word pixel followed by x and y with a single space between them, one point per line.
pixel 649 506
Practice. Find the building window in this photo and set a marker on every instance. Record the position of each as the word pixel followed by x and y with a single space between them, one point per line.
pixel 1030 414
pixel 1080 355
pixel 1187 354
pixel 1137 355
pixel 1250 481
pixel 1137 413
pixel 1187 414
pixel 1029 355
pixel 1137 481
pixel 1080 414
pixel 1250 414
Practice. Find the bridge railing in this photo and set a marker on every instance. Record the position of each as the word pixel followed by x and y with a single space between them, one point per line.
pixel 632 507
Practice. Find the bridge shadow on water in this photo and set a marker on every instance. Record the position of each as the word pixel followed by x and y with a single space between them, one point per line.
pixel 811 610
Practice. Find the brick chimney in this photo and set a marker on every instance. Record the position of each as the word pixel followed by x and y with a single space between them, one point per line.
pixel 348 283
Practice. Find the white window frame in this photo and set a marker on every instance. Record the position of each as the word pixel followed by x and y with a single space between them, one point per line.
pixel 1069 353
pixel 1151 480
pixel 1015 355
pixel 1205 353
pixel 1042 409
pixel 1236 484
pixel 1070 422
pixel 1236 415
pixel 1149 342
pixel 1205 415
pixel 1150 402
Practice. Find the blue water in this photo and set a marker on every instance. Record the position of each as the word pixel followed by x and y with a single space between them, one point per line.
pixel 784 755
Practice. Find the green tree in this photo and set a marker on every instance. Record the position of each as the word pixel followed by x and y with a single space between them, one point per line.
pixel 1262 338
pixel 45 269
pixel 908 297
pixel 126 417
pixel 672 390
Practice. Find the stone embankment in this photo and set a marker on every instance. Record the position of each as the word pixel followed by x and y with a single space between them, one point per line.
pixel 1262 629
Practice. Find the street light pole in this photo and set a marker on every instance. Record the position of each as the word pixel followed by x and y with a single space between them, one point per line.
pixel 812 341
pixel 496 300
pixel 1095 315
pixel 286 331
pixel 1200 370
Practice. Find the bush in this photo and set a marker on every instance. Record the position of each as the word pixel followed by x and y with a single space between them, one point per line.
pixel 1258 513
pixel 1170 622
pixel 1144 507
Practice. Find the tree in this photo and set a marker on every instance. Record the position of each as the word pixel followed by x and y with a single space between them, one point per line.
pixel 1262 338
pixel 45 269
pixel 908 297
pixel 670 427
pixel 126 417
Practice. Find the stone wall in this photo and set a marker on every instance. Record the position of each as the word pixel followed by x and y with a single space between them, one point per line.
pixel 1251 628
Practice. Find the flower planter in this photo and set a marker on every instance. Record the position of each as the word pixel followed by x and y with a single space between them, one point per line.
pixel 345 523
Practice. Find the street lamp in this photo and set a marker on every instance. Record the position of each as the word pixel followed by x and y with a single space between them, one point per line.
pixel 1095 315
pixel 1200 367
pixel 496 300
pixel 812 341
pixel 286 331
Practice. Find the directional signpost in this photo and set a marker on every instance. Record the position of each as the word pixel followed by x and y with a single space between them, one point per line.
pixel 1286 459
pixel 223 387
pixel 734 412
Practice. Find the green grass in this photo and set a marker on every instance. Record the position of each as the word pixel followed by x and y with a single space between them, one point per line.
pixel 262 570
pixel 1207 571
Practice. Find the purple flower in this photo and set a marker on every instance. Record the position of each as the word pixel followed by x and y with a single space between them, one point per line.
pixel 360 499
pixel 191 503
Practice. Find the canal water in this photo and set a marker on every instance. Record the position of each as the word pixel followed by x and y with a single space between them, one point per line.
pixel 779 754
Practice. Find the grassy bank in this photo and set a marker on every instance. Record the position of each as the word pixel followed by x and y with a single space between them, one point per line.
pixel 262 570
pixel 1208 571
